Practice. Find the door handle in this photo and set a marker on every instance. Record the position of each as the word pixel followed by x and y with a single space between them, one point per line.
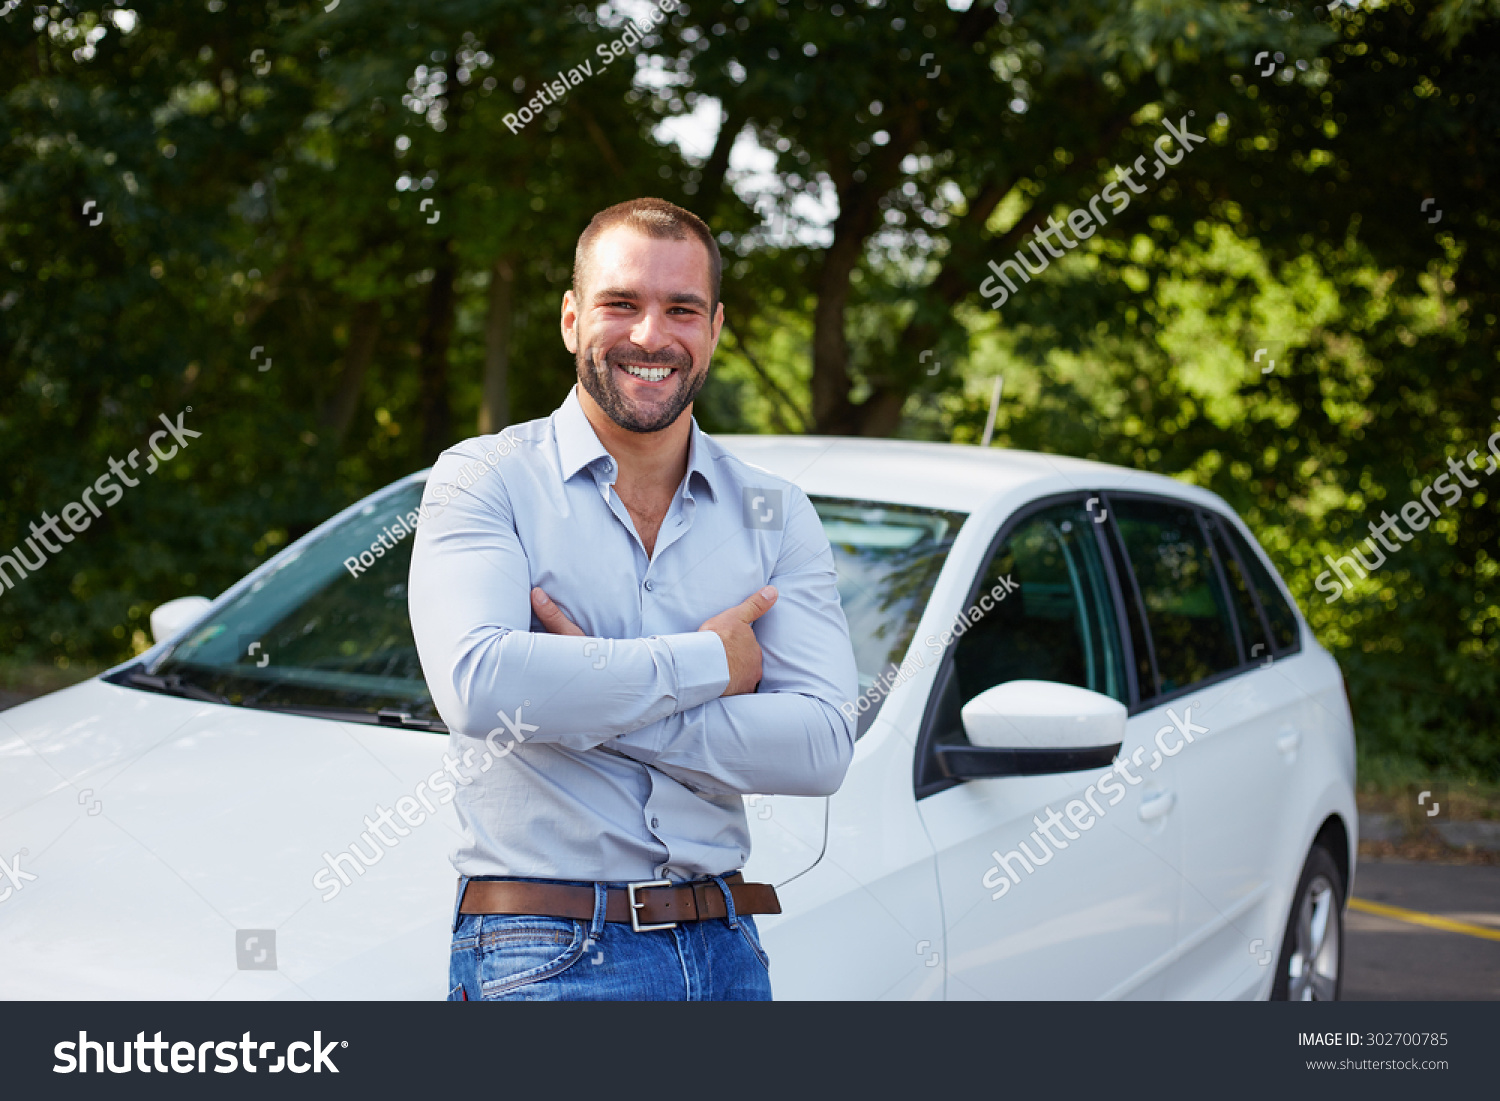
pixel 1289 741
pixel 1157 806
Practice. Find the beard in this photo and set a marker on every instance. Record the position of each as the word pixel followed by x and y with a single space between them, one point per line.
pixel 598 378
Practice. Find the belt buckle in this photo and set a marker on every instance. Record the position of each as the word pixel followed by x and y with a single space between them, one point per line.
pixel 635 917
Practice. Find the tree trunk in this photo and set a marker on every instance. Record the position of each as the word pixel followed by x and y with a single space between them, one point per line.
pixel 711 183
pixel 859 213
pixel 833 412
pixel 494 406
pixel 364 328
pixel 432 357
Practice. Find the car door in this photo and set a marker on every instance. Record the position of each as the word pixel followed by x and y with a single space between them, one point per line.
pixel 1237 791
pixel 1060 885
pixel 1220 714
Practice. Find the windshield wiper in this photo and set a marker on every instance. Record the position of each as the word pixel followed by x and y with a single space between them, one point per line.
pixel 389 716
pixel 384 717
pixel 173 685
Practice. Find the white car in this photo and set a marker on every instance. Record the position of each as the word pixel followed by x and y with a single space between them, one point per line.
pixel 1100 756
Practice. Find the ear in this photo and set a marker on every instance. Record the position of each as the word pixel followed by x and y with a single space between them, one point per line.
pixel 718 328
pixel 569 321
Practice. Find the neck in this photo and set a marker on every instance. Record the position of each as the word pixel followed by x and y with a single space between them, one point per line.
pixel 648 460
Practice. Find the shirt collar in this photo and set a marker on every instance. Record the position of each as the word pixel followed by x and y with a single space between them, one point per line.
pixel 578 446
pixel 700 462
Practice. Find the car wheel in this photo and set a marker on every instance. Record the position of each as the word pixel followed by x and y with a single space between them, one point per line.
pixel 1311 968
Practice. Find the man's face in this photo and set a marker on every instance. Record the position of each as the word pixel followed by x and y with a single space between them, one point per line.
pixel 643 334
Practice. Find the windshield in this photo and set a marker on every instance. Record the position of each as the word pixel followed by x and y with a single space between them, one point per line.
pixel 326 630
pixel 888 558
pixel 311 634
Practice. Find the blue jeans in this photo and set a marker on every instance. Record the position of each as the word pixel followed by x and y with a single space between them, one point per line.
pixel 520 958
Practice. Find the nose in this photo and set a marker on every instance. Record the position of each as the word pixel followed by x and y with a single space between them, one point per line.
pixel 649 333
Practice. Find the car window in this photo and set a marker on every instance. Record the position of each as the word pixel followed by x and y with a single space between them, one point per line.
pixel 327 629
pixel 314 634
pixel 1257 645
pixel 1056 621
pixel 1187 611
pixel 888 558
pixel 1140 642
pixel 1278 611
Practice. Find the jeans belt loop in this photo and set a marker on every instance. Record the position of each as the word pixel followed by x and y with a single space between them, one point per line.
pixel 458 900
pixel 734 922
pixel 601 901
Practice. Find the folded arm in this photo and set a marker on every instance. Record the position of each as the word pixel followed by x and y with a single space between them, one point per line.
pixel 789 737
pixel 471 614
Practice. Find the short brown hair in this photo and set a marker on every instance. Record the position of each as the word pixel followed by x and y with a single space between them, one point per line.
pixel 654 218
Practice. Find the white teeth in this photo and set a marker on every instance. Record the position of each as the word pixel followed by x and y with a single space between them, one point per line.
pixel 650 374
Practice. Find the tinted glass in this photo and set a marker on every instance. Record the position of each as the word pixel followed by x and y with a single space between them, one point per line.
pixel 313 635
pixel 1140 645
pixel 1278 611
pixel 1187 612
pixel 1056 621
pixel 1246 613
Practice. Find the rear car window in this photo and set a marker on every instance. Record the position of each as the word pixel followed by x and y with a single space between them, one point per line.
pixel 1283 620
pixel 1187 610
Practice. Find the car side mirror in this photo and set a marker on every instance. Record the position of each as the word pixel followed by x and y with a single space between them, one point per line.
pixel 174 615
pixel 1035 727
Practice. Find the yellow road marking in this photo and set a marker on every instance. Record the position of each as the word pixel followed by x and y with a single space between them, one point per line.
pixel 1417 917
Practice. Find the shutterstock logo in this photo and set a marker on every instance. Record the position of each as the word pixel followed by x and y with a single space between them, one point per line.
pixel 187 1057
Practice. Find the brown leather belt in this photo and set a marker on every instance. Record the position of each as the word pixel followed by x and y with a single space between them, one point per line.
pixel 651 904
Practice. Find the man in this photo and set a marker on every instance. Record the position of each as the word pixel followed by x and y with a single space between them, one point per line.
pixel 657 629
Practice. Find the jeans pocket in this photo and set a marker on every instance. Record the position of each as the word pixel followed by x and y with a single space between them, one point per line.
pixel 517 951
pixel 752 938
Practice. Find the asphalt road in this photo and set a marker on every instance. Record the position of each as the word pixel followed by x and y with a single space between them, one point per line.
pixel 1386 959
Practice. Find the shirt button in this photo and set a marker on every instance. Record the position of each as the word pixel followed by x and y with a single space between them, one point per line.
pixel 649 586
pixel 655 822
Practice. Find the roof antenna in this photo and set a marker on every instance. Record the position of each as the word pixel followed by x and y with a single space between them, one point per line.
pixel 989 424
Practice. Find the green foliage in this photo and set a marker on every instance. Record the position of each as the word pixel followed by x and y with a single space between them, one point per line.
pixel 263 172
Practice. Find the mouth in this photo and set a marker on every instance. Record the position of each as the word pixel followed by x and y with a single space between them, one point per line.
pixel 647 374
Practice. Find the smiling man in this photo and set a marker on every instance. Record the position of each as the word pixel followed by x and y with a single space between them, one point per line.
pixel 626 630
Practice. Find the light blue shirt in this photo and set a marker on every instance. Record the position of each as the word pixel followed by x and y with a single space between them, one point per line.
pixel 613 756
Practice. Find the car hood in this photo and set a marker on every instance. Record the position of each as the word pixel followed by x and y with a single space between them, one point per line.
pixel 158 847
pixel 146 838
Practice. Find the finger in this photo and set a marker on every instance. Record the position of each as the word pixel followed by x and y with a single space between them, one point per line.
pixel 551 615
pixel 756 604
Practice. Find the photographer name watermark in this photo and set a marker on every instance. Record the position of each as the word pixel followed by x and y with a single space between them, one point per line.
pixel 937 643
pixel 555 90
pixel 443 494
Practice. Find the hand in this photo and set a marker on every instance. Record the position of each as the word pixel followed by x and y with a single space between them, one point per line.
pixel 551 615
pixel 740 644
pixel 732 626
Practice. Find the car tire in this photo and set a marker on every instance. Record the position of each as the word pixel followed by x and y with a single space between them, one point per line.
pixel 1311 966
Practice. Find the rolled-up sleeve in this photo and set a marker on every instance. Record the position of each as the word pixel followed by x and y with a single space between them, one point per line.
pixel 794 735
pixel 470 605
